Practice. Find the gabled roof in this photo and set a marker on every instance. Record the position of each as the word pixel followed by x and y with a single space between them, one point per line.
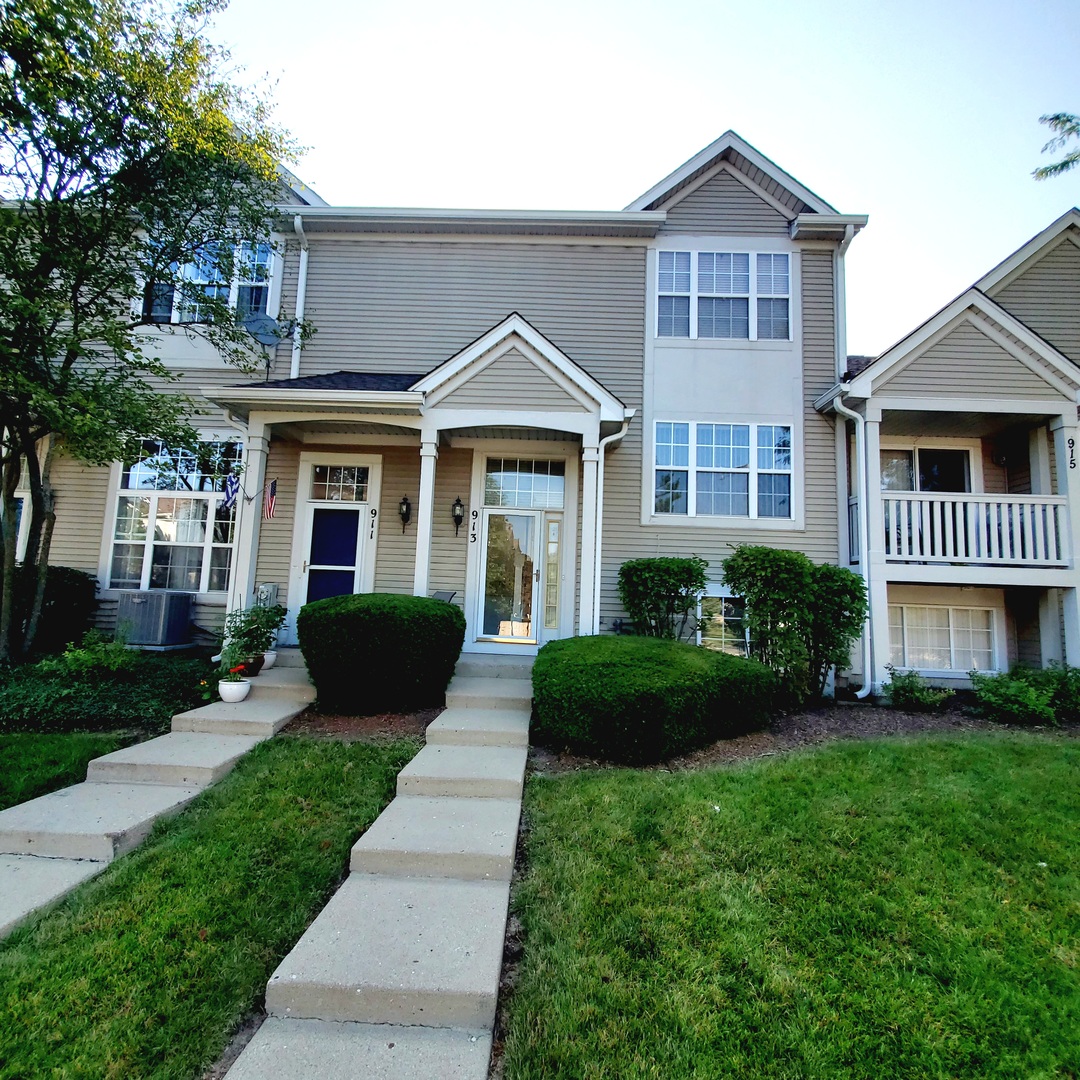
pixel 1005 268
pixel 340 380
pixel 745 158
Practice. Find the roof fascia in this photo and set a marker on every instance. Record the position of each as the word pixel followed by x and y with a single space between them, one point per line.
pixel 730 141
pixel 276 397
pixel 1006 267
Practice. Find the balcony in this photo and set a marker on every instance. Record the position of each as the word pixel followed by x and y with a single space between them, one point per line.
pixel 983 530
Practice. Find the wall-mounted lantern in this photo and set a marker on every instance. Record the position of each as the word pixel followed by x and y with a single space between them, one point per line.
pixel 404 511
pixel 457 512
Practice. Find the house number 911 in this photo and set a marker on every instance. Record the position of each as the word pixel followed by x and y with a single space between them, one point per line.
pixel 374 515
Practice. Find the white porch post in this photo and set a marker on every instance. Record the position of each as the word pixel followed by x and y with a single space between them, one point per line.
pixel 429 454
pixel 875 556
pixel 249 514
pixel 590 458
pixel 1067 455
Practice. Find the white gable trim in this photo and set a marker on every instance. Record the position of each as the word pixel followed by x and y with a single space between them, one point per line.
pixel 1007 270
pixel 1063 375
pixel 515 333
pixel 730 141
pixel 742 178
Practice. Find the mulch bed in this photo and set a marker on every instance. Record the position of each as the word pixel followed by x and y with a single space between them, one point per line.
pixel 315 724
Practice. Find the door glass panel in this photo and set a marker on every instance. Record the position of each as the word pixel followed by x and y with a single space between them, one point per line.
pixel 508 586
pixel 943 470
pixel 324 583
pixel 551 575
pixel 333 537
pixel 897 470
pixel 523 483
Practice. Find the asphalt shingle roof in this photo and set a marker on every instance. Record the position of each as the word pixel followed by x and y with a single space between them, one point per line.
pixel 343 380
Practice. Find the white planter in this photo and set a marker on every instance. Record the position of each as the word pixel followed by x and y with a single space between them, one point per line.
pixel 269 659
pixel 234 691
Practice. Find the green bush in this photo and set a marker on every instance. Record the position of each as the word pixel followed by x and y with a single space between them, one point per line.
pixel 641 700
pixel 376 652
pixel 908 690
pixel 660 595
pixel 1014 697
pixel 70 599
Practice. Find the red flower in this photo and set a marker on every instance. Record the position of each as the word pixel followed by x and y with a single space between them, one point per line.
pixel 236 670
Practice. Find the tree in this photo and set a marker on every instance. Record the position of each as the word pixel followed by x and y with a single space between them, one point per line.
pixel 125 156
pixel 1065 126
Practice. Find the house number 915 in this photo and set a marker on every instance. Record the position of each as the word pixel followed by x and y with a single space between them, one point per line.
pixel 1072 453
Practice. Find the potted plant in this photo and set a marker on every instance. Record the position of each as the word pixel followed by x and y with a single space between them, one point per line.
pixel 252 631
pixel 269 619
pixel 233 685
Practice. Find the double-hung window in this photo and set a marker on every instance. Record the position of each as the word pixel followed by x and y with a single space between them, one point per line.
pixel 723 470
pixel 732 295
pixel 170 529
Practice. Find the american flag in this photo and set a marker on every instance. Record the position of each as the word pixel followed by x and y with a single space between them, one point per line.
pixel 232 489
pixel 270 500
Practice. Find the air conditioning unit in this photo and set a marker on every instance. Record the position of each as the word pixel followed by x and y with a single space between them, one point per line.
pixel 155 620
pixel 266 594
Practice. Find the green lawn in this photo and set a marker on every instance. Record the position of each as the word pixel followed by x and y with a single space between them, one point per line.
pixel 31 765
pixel 900 908
pixel 145 971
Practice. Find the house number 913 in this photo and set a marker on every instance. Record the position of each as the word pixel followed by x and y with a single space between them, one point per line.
pixel 473 527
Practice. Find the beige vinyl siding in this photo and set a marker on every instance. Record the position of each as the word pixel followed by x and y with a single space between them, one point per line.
pixel 1022 618
pixel 1046 296
pixel 727 207
pixel 966 363
pixel 82 502
pixel 395 557
pixel 274 563
pixel 995 482
pixel 453 474
pixel 390 306
pixel 624 536
pixel 511 382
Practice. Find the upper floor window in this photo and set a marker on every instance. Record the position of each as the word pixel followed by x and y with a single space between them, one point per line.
pixel 723 470
pixel 733 295
pixel 240 280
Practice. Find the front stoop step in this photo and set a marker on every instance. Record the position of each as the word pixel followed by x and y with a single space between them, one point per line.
pixel 257 717
pixel 480 727
pixel 89 821
pixel 493 772
pixel 479 665
pixel 184 759
pixel 416 951
pixel 29 882
pixel 467 692
pixel 309 1049
pixel 467 839
pixel 286 680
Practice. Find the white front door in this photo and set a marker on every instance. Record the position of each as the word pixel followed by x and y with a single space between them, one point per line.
pixel 510 575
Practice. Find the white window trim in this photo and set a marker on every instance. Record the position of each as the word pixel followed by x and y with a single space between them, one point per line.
pixel 718 591
pixel 752 471
pixel 973 446
pixel 753 296
pixel 997 642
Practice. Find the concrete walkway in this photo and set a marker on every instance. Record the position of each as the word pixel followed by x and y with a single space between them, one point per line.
pixel 398 977
pixel 52 844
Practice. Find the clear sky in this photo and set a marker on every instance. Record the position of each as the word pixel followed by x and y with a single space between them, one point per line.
pixel 923 115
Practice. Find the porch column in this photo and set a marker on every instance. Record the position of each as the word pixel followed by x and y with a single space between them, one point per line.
pixel 1067 455
pixel 878 592
pixel 249 514
pixel 429 454
pixel 590 458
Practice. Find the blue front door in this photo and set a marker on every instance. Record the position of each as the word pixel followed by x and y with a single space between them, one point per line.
pixel 333 565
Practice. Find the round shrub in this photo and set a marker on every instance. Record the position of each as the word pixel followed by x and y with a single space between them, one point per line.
pixel 641 700
pixel 376 652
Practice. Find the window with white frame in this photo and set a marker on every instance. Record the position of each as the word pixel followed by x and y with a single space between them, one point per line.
pixel 722 622
pixel 734 295
pixel 934 638
pixel 723 470
pixel 241 280
pixel 170 529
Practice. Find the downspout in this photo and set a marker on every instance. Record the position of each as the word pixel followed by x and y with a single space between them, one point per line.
pixel 301 297
pixel 603 445
pixel 864 540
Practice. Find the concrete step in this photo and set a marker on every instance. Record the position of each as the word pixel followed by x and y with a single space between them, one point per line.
pixel 264 712
pixel 289 656
pixel 89 821
pixel 288 680
pixel 470 839
pixel 480 727
pixel 471 692
pixel 489 666
pixel 29 882
pixel 390 950
pixel 493 772
pixel 184 759
pixel 310 1049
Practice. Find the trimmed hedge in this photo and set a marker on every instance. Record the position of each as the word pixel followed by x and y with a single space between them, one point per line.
pixel 641 700
pixel 376 652
pixel 70 599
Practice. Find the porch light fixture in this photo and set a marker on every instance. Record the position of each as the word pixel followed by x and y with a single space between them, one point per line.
pixel 457 512
pixel 404 511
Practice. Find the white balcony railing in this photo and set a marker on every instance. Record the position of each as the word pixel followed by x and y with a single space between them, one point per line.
pixel 1012 530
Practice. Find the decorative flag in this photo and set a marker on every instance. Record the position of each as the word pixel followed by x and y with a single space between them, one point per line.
pixel 232 489
pixel 270 500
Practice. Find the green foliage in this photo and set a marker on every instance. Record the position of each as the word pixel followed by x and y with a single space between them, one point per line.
pixel 1029 695
pixel 70 600
pixel 909 691
pixel 803 619
pixel 640 700
pixel 252 630
pixel 376 652
pixel 661 595
pixel 1065 126
pixel 96 655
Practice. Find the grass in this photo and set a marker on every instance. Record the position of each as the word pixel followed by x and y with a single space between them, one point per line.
pixel 36 764
pixel 901 908
pixel 146 971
